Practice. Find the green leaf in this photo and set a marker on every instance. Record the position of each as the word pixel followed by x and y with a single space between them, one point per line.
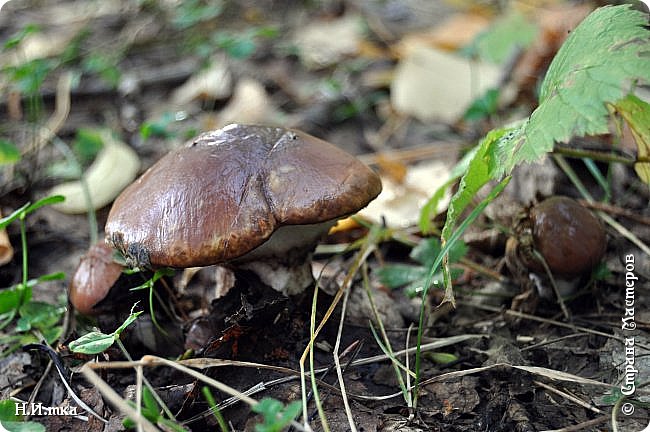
pixel 51 277
pixel 149 401
pixel 16 39
pixel 158 128
pixel 9 153
pixel 127 322
pixel 104 65
pixel 92 343
pixel 5 221
pixel 192 12
pixel 431 207
pixel 96 342
pixel 8 410
pixel 442 358
pixel 426 251
pixel 87 144
pixel 397 275
pixel 290 412
pixel 10 421
pixel 481 169
pixel 415 289
pixel 505 35
pixel 276 415
pixel 597 64
pixel 28 208
pixel 30 76
pixel 9 300
pixel 483 106
pixel 39 315
pixel 54 199
pixel 22 426
pixel 52 334
pixel 636 114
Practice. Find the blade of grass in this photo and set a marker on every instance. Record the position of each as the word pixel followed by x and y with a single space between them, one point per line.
pixel 212 403
pixel 362 254
pixel 337 363
pixel 386 346
pixel 434 268
pixel 312 373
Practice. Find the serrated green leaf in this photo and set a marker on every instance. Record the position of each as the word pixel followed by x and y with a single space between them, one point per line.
pixel 636 114
pixel 92 343
pixel 431 207
pixel 597 64
pixel 482 168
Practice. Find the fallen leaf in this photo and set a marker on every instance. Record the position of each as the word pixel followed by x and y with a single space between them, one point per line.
pixel 114 168
pixel 250 104
pixel 433 85
pixel 399 203
pixel 213 82
pixel 323 43
pixel 455 32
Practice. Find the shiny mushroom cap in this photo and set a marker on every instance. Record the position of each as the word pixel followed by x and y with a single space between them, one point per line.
pixel 226 192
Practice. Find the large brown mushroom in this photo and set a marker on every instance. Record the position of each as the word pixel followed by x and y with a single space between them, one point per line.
pixel 253 197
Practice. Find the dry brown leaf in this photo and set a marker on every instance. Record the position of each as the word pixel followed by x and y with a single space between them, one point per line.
pixel 454 33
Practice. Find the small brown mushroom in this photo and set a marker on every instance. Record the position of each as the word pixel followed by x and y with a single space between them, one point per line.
pixel 254 197
pixel 567 235
pixel 93 278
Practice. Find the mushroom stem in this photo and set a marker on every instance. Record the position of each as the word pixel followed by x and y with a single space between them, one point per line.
pixel 288 280
pixel 283 262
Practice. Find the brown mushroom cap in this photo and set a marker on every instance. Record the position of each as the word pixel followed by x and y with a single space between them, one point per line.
pixel 226 192
pixel 93 278
pixel 570 238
